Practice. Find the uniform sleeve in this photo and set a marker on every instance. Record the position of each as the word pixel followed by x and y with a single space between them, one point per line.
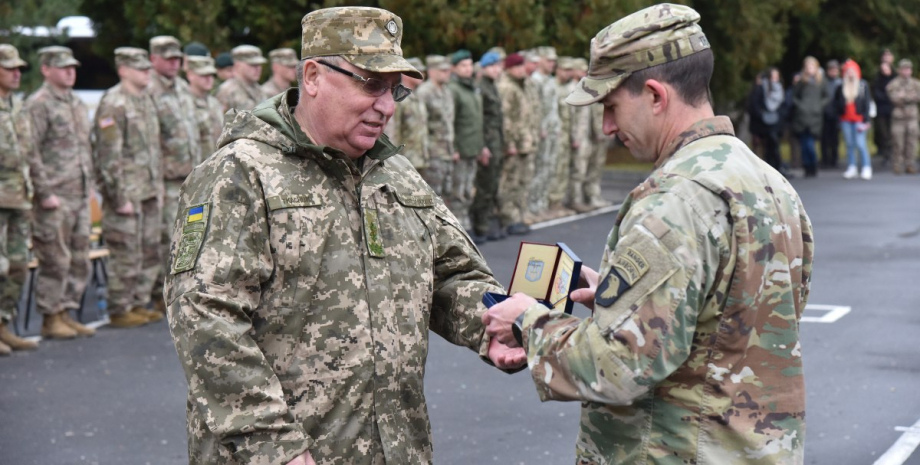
pixel 509 113
pixel 211 310
pixel 38 117
pixel 653 284
pixel 110 128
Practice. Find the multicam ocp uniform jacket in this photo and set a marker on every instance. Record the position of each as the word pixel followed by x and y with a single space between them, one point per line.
pixel 16 148
pixel 302 289
pixel 409 127
pixel 692 354
pixel 179 137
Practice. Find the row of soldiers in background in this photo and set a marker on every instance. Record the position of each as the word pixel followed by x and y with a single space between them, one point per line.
pixel 500 145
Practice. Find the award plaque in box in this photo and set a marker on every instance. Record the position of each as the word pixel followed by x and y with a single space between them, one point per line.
pixel 546 272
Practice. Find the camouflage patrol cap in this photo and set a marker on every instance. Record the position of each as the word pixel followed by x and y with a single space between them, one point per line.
pixel 905 63
pixel 57 56
pixel 437 62
pixel 368 38
pixel 580 64
pixel 202 66
pixel 132 57
pixel 547 52
pixel 417 64
pixel 565 63
pixel 166 47
pixel 656 35
pixel 9 57
pixel 249 54
pixel 284 56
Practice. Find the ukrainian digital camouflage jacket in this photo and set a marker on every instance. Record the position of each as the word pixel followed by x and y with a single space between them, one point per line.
pixel 520 132
pixel 16 148
pixel 179 144
pixel 439 102
pixel 301 294
pixel 588 124
pixel 63 161
pixel 566 113
pixel 127 157
pixel 209 115
pixel 234 93
pixel 692 354
pixel 905 95
pixel 548 89
pixel 409 127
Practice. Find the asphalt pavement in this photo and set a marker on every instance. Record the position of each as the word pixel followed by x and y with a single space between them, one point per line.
pixel 119 397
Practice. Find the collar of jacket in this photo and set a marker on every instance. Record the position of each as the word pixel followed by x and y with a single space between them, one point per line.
pixel 467 82
pixel 718 125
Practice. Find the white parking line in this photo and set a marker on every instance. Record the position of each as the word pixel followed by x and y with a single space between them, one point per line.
pixel 580 216
pixel 834 313
pixel 93 324
pixel 902 449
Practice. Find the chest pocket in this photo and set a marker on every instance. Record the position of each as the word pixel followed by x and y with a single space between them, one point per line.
pixel 297 233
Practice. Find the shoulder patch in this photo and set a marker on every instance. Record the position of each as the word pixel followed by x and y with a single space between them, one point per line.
pixel 193 231
pixel 628 268
pixel 106 122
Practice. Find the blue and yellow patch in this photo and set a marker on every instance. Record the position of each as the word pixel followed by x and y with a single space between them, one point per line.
pixel 195 214
pixel 193 232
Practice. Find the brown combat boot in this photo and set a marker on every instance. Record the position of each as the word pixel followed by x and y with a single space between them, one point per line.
pixel 5 349
pixel 127 319
pixel 53 327
pixel 8 339
pixel 76 325
pixel 152 316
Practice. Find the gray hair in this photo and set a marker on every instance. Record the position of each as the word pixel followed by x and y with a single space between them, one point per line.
pixel 331 59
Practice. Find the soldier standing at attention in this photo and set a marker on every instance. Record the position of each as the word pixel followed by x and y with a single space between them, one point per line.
pixel 16 149
pixel 440 106
pixel 469 141
pixel 284 71
pixel 545 159
pixel 688 357
pixel 904 92
pixel 484 211
pixel 558 185
pixel 520 138
pixel 62 173
pixel 242 91
pixel 409 125
pixel 311 261
pixel 127 161
pixel 590 155
pixel 179 147
pixel 209 115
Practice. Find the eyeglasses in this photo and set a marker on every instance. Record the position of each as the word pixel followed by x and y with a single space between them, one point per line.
pixel 373 86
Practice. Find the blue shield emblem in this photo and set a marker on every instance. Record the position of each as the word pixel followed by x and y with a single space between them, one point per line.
pixel 534 270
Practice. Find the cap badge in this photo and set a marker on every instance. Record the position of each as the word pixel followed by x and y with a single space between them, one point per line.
pixel 392 28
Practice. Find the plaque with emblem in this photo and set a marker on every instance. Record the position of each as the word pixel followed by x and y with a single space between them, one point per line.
pixel 546 272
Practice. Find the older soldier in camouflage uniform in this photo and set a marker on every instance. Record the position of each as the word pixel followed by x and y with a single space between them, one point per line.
pixel 550 127
pixel 409 125
pixel 521 138
pixel 16 149
pixel 310 263
pixel 558 186
pixel 62 175
pixel 242 91
pixel 488 175
pixel 284 71
pixel 128 162
pixel 209 115
pixel 469 140
pixel 904 92
pixel 179 147
pixel 692 354
pixel 440 106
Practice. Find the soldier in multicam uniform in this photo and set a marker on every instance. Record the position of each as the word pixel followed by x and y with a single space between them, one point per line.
pixel 484 211
pixel 284 71
pixel 550 127
pixel 689 357
pixel 242 91
pixel 127 162
pixel 62 173
pixel 409 125
pixel 904 92
pixel 179 146
pixel 16 149
pixel 469 139
pixel 440 106
pixel 590 156
pixel 209 114
pixel 520 138
pixel 310 263
pixel 532 93
pixel 558 186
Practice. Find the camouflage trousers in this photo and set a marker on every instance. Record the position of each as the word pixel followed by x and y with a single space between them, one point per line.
pixel 587 167
pixel 543 173
pixel 904 134
pixel 462 190
pixel 134 242
pixel 559 184
pixel 517 174
pixel 438 175
pixel 485 203
pixel 60 240
pixel 170 212
pixel 14 259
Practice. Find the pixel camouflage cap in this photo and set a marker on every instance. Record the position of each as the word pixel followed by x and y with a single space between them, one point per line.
pixel 166 47
pixel 202 66
pixel 57 56
pixel 9 57
pixel 368 38
pixel 656 35
pixel 132 57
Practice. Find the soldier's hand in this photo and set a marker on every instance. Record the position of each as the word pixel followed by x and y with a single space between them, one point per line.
pixel 587 287
pixel 51 203
pixel 500 317
pixel 506 358
pixel 455 156
pixel 485 156
pixel 126 209
pixel 303 459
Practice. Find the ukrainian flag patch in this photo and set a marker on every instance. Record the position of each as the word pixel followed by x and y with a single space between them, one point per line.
pixel 193 231
pixel 195 214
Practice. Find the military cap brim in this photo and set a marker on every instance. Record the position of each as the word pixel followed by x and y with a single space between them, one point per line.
pixel 590 90
pixel 384 63
pixel 13 63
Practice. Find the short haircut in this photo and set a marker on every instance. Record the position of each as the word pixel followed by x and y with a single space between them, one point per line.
pixel 689 76
pixel 332 59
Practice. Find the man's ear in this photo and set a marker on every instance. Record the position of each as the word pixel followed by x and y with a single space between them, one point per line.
pixel 311 78
pixel 659 94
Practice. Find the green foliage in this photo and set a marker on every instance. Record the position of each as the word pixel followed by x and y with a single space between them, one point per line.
pixel 32 13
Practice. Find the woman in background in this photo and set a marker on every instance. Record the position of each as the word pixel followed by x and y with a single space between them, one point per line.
pixel 852 101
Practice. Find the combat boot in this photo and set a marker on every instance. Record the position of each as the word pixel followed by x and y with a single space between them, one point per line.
pixel 127 320
pixel 581 208
pixel 14 342
pixel 4 349
pixel 152 316
pixel 76 325
pixel 53 327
